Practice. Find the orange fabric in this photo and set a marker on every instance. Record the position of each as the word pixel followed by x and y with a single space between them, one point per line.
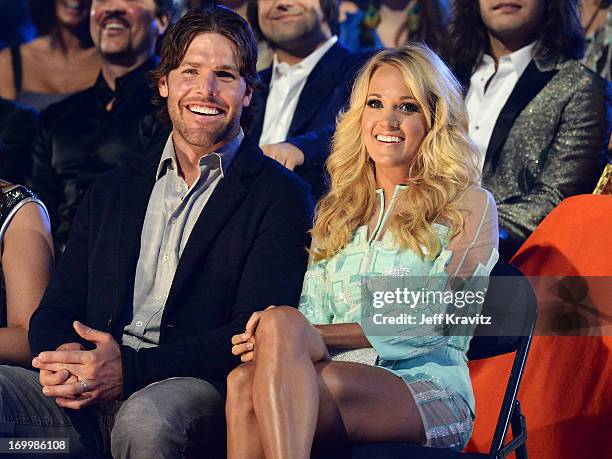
pixel 566 392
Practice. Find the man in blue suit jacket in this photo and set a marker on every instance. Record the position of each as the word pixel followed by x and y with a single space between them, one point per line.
pixel 309 82
pixel 167 259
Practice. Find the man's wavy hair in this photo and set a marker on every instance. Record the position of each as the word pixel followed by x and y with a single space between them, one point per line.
pixel 446 164
pixel 560 34
pixel 331 15
pixel 208 19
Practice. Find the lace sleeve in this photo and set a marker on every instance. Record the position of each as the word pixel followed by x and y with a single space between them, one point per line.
pixel 474 250
pixel 472 253
pixel 314 300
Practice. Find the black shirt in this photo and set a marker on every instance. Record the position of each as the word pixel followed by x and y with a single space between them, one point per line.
pixel 79 139
pixel 17 125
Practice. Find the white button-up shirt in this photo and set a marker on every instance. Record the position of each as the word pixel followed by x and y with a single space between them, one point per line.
pixel 489 92
pixel 286 86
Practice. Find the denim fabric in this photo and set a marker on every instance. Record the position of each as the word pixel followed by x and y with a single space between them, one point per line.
pixel 174 418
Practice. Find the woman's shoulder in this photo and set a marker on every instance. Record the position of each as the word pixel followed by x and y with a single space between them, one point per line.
pixel 477 196
pixel 8 188
pixel 7 80
pixel 13 196
pixel 13 203
pixel 36 46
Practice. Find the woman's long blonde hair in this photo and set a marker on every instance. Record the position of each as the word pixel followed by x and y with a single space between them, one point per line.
pixel 445 166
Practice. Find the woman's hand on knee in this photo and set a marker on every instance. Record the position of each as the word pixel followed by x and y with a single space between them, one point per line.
pixel 244 343
pixel 251 325
pixel 243 346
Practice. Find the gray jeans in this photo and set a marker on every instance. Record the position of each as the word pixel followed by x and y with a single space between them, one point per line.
pixel 173 418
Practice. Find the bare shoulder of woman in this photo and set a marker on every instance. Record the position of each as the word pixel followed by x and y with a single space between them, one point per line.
pixel 27 258
pixel 31 220
pixel 7 82
pixel 347 7
pixel 29 229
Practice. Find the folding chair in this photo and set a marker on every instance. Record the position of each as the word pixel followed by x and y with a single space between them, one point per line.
pixel 503 298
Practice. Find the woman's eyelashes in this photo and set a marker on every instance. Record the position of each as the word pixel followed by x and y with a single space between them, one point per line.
pixel 406 107
pixel 409 107
pixel 374 103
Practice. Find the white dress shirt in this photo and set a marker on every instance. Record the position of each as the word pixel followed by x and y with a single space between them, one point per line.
pixel 286 86
pixel 489 92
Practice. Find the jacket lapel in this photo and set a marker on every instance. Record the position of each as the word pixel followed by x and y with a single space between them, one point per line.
pixel 133 201
pixel 321 81
pixel 258 105
pixel 527 87
pixel 223 202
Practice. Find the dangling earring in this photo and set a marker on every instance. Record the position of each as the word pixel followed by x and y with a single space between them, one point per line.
pixel 413 19
pixel 371 18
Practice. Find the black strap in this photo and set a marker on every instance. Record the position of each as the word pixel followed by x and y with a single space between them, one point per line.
pixel 17 70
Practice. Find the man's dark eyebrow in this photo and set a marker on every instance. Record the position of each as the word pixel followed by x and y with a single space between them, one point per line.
pixel 227 67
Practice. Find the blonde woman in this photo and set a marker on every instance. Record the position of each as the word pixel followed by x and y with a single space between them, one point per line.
pixel 404 199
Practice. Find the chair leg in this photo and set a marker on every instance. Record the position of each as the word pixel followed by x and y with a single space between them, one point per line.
pixel 519 429
pixel 519 435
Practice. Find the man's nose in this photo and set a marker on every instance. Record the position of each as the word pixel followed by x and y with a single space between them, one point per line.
pixel 208 84
pixel 283 4
pixel 111 5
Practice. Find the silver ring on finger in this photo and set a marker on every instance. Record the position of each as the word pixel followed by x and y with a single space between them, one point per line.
pixel 83 382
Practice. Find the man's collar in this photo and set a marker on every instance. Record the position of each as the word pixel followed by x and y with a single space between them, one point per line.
pixel 308 63
pixel 127 83
pixel 520 58
pixel 225 154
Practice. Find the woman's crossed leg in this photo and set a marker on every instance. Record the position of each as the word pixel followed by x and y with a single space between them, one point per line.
pixel 293 395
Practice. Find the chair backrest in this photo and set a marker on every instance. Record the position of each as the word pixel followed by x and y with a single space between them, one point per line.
pixel 511 300
pixel 512 304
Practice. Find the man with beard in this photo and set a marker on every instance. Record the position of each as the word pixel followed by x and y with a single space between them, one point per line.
pixel 540 119
pixel 109 124
pixel 168 258
pixel 307 85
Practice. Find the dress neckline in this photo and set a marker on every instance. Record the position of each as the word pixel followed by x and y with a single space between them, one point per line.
pixel 383 215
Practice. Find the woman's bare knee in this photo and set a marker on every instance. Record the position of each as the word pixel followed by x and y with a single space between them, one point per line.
pixel 240 389
pixel 280 320
pixel 285 331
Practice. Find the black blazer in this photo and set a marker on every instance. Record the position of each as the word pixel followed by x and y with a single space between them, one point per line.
pixel 246 251
pixel 326 92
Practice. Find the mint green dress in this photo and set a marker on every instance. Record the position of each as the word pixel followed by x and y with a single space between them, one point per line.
pixel 331 294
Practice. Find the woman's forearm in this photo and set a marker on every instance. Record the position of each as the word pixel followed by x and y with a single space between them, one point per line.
pixel 14 349
pixel 348 336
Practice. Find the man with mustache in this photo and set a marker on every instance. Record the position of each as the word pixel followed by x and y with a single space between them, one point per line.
pixel 168 258
pixel 307 85
pixel 539 118
pixel 109 124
